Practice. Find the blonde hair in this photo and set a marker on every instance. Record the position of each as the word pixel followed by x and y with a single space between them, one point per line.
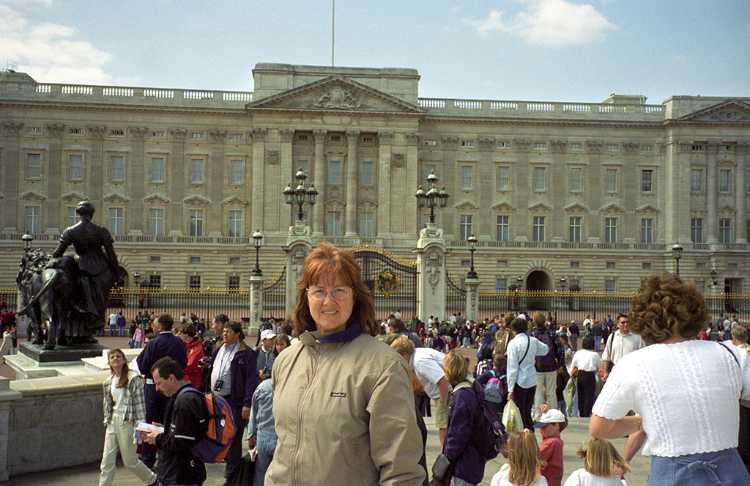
pixel 600 458
pixel 403 346
pixel 525 464
pixel 456 367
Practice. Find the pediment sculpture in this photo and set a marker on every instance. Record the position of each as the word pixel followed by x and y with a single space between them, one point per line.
pixel 338 98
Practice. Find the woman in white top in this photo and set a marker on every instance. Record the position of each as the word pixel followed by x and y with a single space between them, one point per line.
pixel 603 466
pixel 522 350
pixel 584 365
pixel 124 407
pixel 524 465
pixel 686 391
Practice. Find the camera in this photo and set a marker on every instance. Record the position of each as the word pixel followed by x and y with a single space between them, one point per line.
pixel 218 385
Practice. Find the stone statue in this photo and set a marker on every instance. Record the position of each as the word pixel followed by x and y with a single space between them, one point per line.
pixel 68 294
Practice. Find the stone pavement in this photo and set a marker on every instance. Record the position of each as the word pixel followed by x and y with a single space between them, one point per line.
pixel 573 436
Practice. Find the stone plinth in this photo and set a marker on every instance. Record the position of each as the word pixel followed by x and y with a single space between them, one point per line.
pixel 61 354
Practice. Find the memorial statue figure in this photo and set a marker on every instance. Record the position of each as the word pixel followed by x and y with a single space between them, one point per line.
pixel 68 295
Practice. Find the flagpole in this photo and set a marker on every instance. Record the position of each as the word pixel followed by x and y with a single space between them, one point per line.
pixel 333 29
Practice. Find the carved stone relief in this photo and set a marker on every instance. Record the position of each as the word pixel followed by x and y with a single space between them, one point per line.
pixel 338 98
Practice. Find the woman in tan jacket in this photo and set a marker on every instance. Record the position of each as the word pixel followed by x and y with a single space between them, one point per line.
pixel 342 401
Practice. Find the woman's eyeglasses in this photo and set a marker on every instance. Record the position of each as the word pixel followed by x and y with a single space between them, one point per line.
pixel 319 294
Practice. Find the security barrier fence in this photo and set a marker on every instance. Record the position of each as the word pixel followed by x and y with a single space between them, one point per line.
pixel 562 305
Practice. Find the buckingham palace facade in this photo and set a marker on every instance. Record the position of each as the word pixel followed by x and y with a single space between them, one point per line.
pixel 593 194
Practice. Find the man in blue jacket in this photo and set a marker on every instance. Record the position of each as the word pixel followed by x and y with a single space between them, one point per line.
pixel 234 375
pixel 164 344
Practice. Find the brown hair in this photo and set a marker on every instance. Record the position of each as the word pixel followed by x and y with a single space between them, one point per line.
pixel 403 346
pixel 323 261
pixel 600 458
pixel 667 307
pixel 123 378
pixel 522 452
pixel 538 319
pixel 456 367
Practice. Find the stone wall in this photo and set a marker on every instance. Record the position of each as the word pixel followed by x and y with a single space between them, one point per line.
pixel 51 423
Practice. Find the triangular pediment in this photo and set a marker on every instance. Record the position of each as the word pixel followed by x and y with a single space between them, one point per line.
pixel 114 197
pixel 234 200
pixel 466 205
pixel 647 208
pixel 335 93
pixel 33 196
pixel 730 111
pixel 73 196
pixel 502 206
pixel 156 198
pixel 612 208
pixel 540 206
pixel 196 200
pixel 576 207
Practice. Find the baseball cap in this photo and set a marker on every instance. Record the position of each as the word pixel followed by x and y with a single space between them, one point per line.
pixel 552 416
pixel 267 334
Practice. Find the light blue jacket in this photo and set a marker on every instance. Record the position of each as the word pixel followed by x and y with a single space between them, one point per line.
pixel 261 424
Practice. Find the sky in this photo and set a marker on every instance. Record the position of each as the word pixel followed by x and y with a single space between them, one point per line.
pixel 546 50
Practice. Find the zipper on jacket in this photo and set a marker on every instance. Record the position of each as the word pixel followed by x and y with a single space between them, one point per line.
pixel 315 354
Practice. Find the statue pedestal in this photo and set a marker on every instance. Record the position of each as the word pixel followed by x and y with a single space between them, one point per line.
pixel 61 354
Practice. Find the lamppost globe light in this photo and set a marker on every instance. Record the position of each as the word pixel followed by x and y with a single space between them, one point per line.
pixel 677 254
pixel 298 193
pixel 27 239
pixel 472 248
pixel 257 243
pixel 432 197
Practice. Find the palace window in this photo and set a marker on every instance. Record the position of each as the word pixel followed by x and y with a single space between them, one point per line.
pixel 71 217
pixel 610 230
pixel 157 170
pixel 233 282
pixel 366 173
pixel 156 221
pixel 538 182
pixel 725 180
pixel 575 226
pixel 611 265
pixel 465 227
pixel 503 179
pixel 32 219
pixel 575 179
pixel 234 260
pixel 75 167
pixel 647 180
pixel 501 284
pixel 647 230
pixel 235 223
pixel 196 222
pixel 334 173
pixel 503 227
pixel 537 229
pixel 334 223
pixel 696 180
pixel 235 172
pixel 367 224
pixel 194 282
pixel 154 259
pixel 696 230
pixel 116 217
pixel 610 284
pixel 33 166
pixel 196 171
pixel 611 181
pixel 154 281
pixel 467 177
pixel 194 260
pixel 725 231
pixel 645 265
pixel 117 169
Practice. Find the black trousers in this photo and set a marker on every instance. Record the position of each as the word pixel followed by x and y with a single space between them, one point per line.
pixel 234 457
pixel 423 460
pixel 744 439
pixel 586 388
pixel 524 399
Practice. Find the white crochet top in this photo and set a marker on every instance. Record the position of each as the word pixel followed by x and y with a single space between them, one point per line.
pixel 687 394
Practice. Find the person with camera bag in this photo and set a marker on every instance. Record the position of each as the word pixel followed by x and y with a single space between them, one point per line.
pixel 234 376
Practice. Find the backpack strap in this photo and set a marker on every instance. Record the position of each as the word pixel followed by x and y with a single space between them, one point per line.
pixel 734 356
pixel 528 343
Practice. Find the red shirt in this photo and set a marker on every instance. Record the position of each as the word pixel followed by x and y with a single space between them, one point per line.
pixel 551 451
pixel 193 372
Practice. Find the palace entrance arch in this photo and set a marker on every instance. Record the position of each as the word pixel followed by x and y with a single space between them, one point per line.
pixel 538 284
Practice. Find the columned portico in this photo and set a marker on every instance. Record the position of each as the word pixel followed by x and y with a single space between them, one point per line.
pixel 351 182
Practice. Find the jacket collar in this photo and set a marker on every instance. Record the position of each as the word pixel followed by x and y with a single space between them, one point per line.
pixel 309 338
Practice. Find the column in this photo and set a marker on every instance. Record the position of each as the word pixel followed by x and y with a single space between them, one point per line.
pixel 259 154
pixel 318 219
pixel 484 177
pixel 740 192
pixel 385 140
pixel 54 178
pixel 95 185
pixel 216 182
pixel 431 273
pixel 175 223
pixel 412 181
pixel 136 180
pixel 14 167
pixel 351 183
pixel 256 302
pixel 297 248
pixel 287 174
pixel 472 298
pixel 713 170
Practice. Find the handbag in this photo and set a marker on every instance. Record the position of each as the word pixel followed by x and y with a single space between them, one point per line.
pixel 442 471
pixel 245 472
pixel 568 392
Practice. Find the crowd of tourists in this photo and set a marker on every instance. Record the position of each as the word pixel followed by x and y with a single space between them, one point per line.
pixel 343 401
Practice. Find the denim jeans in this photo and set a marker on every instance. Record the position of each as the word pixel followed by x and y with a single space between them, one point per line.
pixel 722 468
pixel 460 482
pixel 262 461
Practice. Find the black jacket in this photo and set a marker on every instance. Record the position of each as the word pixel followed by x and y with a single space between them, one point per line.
pixel 184 425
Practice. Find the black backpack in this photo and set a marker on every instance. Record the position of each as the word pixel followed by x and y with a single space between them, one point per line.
pixel 489 434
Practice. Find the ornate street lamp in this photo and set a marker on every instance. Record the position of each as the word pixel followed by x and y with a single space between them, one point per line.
pixel 137 279
pixel 433 197
pixel 677 254
pixel 300 194
pixel 472 248
pixel 714 276
pixel 257 243
pixel 27 239
pixel 563 283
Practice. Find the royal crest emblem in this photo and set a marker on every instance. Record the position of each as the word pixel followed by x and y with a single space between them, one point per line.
pixel 387 283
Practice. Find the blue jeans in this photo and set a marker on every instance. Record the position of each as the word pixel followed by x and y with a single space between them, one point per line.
pixel 722 468
pixel 262 461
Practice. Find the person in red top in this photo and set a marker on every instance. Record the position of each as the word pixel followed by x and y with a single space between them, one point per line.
pixel 550 424
pixel 194 350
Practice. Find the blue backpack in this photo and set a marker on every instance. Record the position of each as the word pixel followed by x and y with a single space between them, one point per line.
pixel 495 390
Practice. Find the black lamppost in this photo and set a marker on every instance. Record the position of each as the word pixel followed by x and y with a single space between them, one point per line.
pixel 257 243
pixel 27 239
pixel 431 198
pixel 714 277
pixel 472 248
pixel 677 254
pixel 563 283
pixel 300 193
pixel 137 279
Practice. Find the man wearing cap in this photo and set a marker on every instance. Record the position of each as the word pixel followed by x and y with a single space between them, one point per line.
pixel 266 353
pixel 550 424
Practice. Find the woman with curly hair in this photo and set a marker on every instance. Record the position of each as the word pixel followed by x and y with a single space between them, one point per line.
pixel 685 391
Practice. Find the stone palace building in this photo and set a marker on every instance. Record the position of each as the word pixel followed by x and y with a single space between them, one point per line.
pixel 557 193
